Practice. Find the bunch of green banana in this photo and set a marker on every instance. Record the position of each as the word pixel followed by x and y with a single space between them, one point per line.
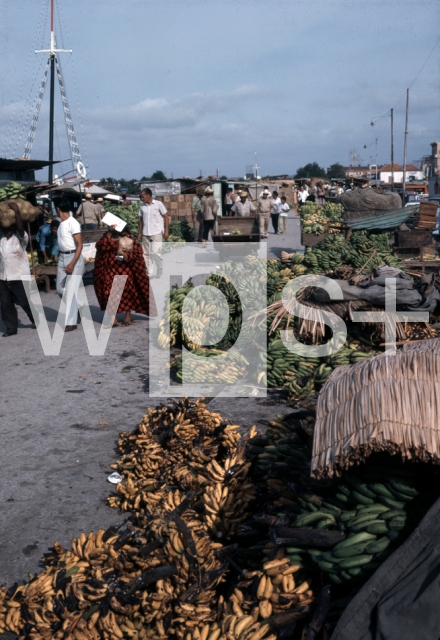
pixel 211 366
pixel 173 314
pixel 315 219
pixel 12 191
pixel 334 251
pixel 347 356
pixel 182 229
pixel 377 506
pixel 302 376
pixel 128 213
pixel 376 510
pixel 256 281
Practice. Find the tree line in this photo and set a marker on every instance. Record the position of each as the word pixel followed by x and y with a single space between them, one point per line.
pixel 313 170
pixel 310 170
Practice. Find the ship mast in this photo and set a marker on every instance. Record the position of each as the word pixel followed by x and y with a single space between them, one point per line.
pixel 55 68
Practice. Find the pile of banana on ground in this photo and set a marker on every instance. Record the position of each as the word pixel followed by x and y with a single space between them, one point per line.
pixel 228 537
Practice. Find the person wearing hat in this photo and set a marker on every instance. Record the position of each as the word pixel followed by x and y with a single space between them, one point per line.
pixel 263 208
pixel 87 214
pixel 197 217
pixel 243 207
pixel 100 211
pixel 209 212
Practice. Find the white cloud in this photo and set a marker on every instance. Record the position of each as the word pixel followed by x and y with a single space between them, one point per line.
pixel 162 113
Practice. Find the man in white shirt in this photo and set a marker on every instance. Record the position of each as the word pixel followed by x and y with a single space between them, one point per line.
pixel 302 195
pixel 70 261
pixel 243 207
pixel 283 210
pixel 153 225
pixel 14 263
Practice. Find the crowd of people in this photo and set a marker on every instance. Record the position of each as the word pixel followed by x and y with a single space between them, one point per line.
pixel 137 257
pixel 117 254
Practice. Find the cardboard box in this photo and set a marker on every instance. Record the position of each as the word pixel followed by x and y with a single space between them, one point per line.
pixel 180 198
pixel 166 199
pixel 173 206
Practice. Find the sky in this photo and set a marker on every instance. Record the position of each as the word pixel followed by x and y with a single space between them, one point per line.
pixel 201 85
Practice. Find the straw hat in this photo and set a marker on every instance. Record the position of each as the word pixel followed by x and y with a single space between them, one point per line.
pixel 208 190
pixel 88 196
pixel 266 192
pixel 243 194
pixel 100 200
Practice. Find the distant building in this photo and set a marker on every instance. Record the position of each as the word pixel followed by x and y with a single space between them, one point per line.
pixel 357 172
pixel 412 173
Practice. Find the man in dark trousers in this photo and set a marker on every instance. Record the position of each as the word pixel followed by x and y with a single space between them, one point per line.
pixel 14 263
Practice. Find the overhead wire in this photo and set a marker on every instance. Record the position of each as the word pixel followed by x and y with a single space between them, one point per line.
pixel 8 140
pixel 379 120
pixel 419 72
pixel 30 110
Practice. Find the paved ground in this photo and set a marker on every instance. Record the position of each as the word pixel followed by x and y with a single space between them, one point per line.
pixel 60 418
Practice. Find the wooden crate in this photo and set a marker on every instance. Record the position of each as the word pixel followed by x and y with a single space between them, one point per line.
pixel 427 216
pixel 249 227
pixel 413 238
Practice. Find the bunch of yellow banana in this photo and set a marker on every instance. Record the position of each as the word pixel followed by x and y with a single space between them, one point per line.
pixel 227 500
pixel 84 592
pixel 193 435
pixel 277 590
pixel 3 609
pixel 12 620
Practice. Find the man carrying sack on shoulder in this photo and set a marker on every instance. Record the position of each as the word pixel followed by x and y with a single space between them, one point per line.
pixel 14 264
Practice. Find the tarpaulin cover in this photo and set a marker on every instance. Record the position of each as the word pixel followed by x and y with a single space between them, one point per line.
pixel 401 601
pixel 363 201
pixel 422 296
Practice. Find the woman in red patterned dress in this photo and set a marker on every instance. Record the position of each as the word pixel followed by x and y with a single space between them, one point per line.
pixel 136 294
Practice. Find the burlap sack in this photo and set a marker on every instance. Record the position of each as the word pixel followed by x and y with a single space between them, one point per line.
pixel 27 210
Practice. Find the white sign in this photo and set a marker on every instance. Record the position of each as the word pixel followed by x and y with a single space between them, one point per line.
pixel 89 251
pixel 110 219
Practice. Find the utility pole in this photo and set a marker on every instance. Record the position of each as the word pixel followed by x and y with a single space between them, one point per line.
pixel 376 162
pixel 405 146
pixel 392 149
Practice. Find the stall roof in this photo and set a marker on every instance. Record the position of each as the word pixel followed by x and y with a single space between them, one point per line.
pixel 77 187
pixel 21 164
